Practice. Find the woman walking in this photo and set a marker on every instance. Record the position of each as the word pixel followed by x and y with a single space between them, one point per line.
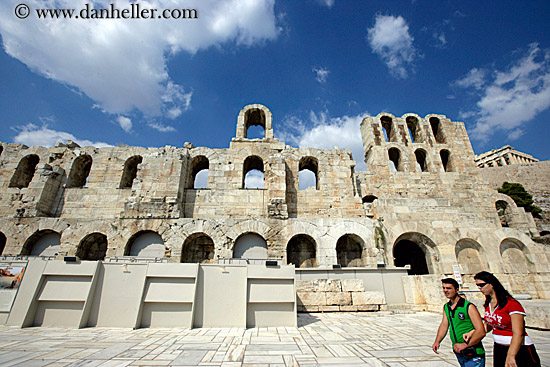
pixel 505 316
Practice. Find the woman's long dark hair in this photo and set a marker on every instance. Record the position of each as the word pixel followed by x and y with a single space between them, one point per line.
pixel 501 293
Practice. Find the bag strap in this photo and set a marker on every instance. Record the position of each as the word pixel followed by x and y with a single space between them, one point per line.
pixel 449 316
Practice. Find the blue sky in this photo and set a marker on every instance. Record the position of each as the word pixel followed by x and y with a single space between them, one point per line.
pixel 319 65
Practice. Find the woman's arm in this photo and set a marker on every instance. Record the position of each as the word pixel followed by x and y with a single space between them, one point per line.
pixel 518 330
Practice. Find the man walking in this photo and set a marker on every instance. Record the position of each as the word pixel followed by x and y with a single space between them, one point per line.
pixel 463 317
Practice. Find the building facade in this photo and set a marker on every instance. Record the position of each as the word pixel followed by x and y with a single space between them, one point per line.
pixel 421 203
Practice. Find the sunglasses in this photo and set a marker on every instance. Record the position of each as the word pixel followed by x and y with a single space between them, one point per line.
pixel 481 285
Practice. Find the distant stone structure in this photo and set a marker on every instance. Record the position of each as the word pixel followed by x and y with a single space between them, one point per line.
pixel 504 156
pixel 422 203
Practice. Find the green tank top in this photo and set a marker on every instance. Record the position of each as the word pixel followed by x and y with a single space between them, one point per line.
pixel 460 323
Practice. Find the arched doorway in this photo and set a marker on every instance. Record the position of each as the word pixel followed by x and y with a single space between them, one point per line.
pixel 92 247
pixel 198 248
pixel 250 246
pixel 300 251
pixel 349 251
pixel 42 243
pixel 145 244
pixel 468 255
pixel 407 252
pixel 3 240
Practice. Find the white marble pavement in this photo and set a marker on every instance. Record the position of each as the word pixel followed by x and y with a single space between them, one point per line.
pixel 329 339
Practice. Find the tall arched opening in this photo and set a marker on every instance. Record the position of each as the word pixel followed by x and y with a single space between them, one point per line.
pixel 145 244
pixel 301 252
pixel 42 243
pixel 350 251
pixel 198 248
pixel 92 247
pixel 250 246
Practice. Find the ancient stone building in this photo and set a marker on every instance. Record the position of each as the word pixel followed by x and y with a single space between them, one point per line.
pixel 504 156
pixel 421 203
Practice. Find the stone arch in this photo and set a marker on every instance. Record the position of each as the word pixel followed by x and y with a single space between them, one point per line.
pixel 250 246
pixel 3 241
pixel 446 160
pixel 350 251
pixel 92 247
pixel 310 164
pixel 198 248
pixel 413 125
pixel 515 256
pixel 301 251
pixel 130 171
pixel 198 164
pixel 80 170
pixel 222 241
pixel 24 172
pixel 395 157
pixel 253 163
pixel 418 251
pixel 421 160
pixel 255 115
pixel 42 243
pixel 437 130
pixel 470 255
pixel 145 244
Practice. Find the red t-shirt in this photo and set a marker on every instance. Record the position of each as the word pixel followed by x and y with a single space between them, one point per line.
pixel 501 322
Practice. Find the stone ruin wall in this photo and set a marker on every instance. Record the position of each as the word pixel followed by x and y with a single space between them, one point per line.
pixel 534 177
pixel 422 190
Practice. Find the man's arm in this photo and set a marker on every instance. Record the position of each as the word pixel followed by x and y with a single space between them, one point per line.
pixel 478 332
pixel 441 332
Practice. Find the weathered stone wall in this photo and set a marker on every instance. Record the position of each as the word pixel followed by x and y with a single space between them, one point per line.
pixel 422 202
pixel 535 177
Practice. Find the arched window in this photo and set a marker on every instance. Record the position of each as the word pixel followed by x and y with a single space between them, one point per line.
pixel 130 171
pixel 198 248
pixel 1 149
pixel 145 244
pixel 42 243
pixel 349 251
pixel 446 160
pixel 386 122
pixel 24 171
pixel 301 252
pixel 79 171
pixel 92 247
pixel 250 246
pixel 3 240
pixel 369 199
pixel 308 173
pixel 421 162
pixel 252 118
pixel 437 131
pixel 395 159
pixel 414 129
pixel 198 173
pixel 253 173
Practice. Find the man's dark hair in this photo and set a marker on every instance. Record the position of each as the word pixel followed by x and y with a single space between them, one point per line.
pixel 450 281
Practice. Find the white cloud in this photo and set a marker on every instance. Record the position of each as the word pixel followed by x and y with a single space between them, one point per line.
pixel 440 39
pixel 327 133
pixel 389 38
pixel 254 180
pixel 327 3
pixel 475 78
pixel 321 74
pixel 125 123
pixel 31 134
pixel 160 127
pixel 512 97
pixel 121 63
